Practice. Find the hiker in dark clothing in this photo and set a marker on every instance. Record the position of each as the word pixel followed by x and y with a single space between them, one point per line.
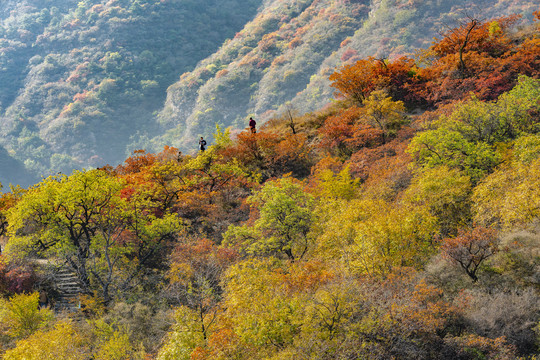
pixel 252 125
pixel 202 144
pixel 43 299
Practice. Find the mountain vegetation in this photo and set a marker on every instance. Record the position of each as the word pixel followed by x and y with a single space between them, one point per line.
pixel 281 61
pixel 14 171
pixel 84 83
pixel 81 79
pixel 362 230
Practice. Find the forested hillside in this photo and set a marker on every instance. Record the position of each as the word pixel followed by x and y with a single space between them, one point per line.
pixel 83 83
pixel 14 171
pixel 79 80
pixel 282 59
pixel 361 230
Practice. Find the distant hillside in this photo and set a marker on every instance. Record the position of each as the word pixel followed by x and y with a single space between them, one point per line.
pixel 283 58
pixel 13 171
pixel 79 79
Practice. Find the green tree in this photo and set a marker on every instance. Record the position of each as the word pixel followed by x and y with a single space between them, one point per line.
pixel 59 215
pixel 517 108
pixel 185 336
pixel 373 236
pixel 272 322
pixel 511 115
pixel 112 342
pixel 87 221
pixel 468 137
pixel 339 186
pixel 451 148
pixel 284 224
pixel 510 196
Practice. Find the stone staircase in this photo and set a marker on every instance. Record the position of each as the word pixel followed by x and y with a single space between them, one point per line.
pixel 69 289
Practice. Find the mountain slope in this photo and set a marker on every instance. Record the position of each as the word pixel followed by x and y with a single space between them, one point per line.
pixel 283 58
pixel 82 83
pixel 80 78
pixel 13 171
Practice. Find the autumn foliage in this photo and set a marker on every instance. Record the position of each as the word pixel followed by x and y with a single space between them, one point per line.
pixel 349 233
pixel 357 81
pixel 470 249
pixel 479 57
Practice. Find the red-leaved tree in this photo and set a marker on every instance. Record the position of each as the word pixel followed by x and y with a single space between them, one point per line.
pixel 470 249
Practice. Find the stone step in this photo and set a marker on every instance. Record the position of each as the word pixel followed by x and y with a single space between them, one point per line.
pixel 70 293
pixel 64 272
pixel 67 304
pixel 68 286
pixel 71 309
pixel 66 278
pixel 68 301
pixel 69 289
pixel 62 278
pixel 68 283
pixel 69 296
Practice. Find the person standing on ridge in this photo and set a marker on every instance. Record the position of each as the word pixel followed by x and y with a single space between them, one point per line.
pixel 252 125
pixel 202 144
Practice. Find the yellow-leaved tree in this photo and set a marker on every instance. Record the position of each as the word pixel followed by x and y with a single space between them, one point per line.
pixel 381 112
pixel 510 196
pixel 20 316
pixel 372 236
pixel 446 193
pixel 61 342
